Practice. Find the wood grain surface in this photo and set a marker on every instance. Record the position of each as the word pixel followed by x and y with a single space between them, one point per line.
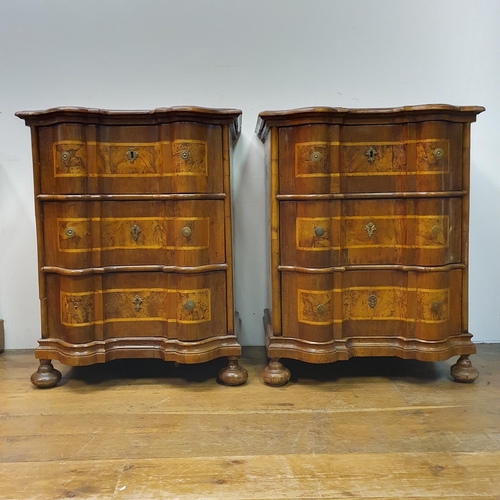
pixel 369 234
pixel 365 429
pixel 133 214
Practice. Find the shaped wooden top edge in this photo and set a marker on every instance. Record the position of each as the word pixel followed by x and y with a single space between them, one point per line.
pixel 268 119
pixel 221 116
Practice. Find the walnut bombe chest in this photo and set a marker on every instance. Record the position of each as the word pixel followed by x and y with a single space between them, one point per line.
pixel 133 219
pixel 369 234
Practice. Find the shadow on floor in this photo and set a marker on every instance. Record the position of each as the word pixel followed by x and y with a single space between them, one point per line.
pixel 409 370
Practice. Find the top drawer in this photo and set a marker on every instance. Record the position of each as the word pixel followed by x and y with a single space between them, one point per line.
pixel 180 157
pixel 423 156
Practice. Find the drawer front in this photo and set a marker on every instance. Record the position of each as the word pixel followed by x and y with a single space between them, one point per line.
pixel 94 234
pixel 170 158
pixel 423 156
pixel 184 307
pixel 323 307
pixel 424 232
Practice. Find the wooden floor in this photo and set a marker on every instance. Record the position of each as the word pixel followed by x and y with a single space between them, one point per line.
pixel 367 428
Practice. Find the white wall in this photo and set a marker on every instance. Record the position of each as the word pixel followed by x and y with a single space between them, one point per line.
pixel 253 55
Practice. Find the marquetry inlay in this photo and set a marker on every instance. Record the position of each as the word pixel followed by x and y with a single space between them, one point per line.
pixel 115 233
pixel 312 159
pixel 77 309
pixel 137 304
pixel 315 307
pixel 190 157
pixel 70 158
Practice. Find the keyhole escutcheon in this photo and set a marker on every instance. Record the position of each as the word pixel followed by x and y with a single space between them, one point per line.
pixel 371 153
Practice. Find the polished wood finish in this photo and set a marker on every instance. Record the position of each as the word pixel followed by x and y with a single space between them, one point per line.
pixel 463 371
pixel 134 236
pixel 369 230
pixel 46 376
pixel 143 429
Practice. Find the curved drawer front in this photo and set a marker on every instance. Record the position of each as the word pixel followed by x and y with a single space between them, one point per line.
pixel 121 305
pixel 370 158
pixel 323 307
pixel 169 158
pixel 94 234
pixel 424 232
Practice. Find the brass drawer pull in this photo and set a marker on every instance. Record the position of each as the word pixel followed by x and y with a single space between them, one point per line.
pixel 70 232
pixel 135 230
pixel 184 154
pixel 316 156
pixel 372 300
pixel 371 153
pixel 186 232
pixel 370 229
pixel 436 307
pixel 137 303
pixel 438 153
pixel 131 155
pixel 65 156
pixel 189 305
pixel 319 231
pixel 321 309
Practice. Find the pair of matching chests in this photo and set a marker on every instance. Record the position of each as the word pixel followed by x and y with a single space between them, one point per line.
pixel 368 219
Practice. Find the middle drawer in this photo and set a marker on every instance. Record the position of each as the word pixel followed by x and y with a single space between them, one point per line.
pixel 114 233
pixel 424 232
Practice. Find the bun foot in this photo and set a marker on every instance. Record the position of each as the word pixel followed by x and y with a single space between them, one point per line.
pixel 463 371
pixel 233 373
pixel 46 376
pixel 276 374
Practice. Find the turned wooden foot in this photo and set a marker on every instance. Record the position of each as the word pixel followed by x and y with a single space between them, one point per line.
pixel 233 373
pixel 463 371
pixel 275 373
pixel 46 376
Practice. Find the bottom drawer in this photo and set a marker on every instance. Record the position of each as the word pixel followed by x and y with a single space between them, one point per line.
pixel 173 306
pixel 324 307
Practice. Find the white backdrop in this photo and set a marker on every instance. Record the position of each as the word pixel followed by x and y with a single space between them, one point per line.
pixel 253 55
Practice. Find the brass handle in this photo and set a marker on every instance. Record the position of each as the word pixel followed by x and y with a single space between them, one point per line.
pixel 321 309
pixel 370 229
pixel 436 307
pixel 438 153
pixel 316 156
pixel 135 230
pixel 319 231
pixel 189 305
pixel 372 300
pixel 70 232
pixel 184 154
pixel 436 230
pixel 186 232
pixel 65 156
pixel 371 153
pixel 131 155
pixel 137 302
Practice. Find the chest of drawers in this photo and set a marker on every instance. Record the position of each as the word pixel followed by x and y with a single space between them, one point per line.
pixel 133 217
pixel 369 235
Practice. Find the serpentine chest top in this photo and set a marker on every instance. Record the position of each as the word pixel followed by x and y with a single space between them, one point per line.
pixel 134 236
pixel 369 230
